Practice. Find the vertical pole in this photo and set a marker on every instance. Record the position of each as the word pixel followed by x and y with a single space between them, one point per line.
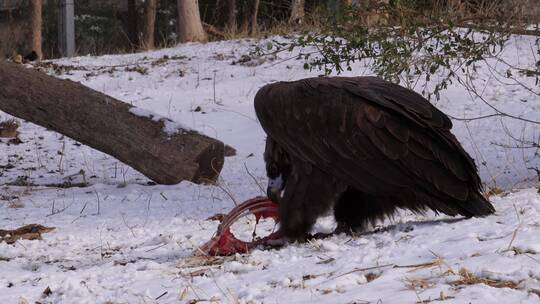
pixel 66 28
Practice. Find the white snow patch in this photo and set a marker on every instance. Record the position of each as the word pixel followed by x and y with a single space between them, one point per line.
pixel 140 244
pixel 170 127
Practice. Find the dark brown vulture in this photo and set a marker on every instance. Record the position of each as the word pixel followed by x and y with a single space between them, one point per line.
pixel 365 147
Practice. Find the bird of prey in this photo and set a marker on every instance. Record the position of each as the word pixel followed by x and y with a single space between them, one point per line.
pixel 364 147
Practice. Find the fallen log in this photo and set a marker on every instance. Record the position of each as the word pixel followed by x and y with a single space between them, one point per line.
pixel 164 151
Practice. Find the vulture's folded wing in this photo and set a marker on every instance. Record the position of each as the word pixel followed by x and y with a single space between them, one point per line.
pixel 378 137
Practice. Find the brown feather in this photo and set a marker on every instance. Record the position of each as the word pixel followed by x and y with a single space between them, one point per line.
pixel 385 142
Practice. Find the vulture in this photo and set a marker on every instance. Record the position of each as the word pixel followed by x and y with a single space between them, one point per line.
pixel 363 147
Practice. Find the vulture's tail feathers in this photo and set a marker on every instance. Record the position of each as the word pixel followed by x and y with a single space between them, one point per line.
pixel 477 205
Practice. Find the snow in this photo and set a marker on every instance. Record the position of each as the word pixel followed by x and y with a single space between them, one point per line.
pixel 170 127
pixel 124 240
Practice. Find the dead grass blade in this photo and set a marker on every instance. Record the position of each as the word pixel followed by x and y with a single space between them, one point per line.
pixel 8 128
pixel 468 278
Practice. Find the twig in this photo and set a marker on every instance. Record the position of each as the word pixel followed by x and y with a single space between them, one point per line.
pixel 61 157
pixel 359 270
pixel 531 146
pixel 98 202
pixel 163 195
pixel 537 261
pixel 152 249
pixel 227 191
pixel 147 209
pixel 129 227
pixel 254 179
pixel 236 112
pixel 214 86
pixel 163 294
pixel 514 234
pixel 54 212
pixel 17 242
pixel 80 213
pixel 84 207
pixel 467 119
pixel 421 265
pixel 497 111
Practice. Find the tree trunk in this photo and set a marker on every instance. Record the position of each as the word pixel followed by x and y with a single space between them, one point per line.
pixel 231 16
pixel 246 11
pixel 132 22
pixel 149 24
pixel 190 27
pixel 36 6
pixel 250 11
pixel 164 151
pixel 297 11
pixel 254 15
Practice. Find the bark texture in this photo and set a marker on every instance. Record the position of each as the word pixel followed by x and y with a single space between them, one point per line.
pixel 150 9
pixel 36 8
pixel 254 15
pixel 190 28
pixel 132 22
pixel 297 11
pixel 108 125
pixel 231 15
pixel 250 12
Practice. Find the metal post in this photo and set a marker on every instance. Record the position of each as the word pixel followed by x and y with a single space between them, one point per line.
pixel 66 28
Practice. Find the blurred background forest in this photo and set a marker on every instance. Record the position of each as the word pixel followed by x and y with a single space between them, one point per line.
pixel 106 26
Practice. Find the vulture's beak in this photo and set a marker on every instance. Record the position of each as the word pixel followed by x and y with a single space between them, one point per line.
pixel 273 194
pixel 275 185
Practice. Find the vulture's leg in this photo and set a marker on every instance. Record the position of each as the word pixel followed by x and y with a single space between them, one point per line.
pixel 355 210
pixel 309 193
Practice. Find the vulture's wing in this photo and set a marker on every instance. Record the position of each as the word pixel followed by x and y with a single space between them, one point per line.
pixel 376 136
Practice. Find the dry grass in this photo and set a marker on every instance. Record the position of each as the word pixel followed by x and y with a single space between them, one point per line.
pixel 493 191
pixel 312 21
pixel 8 128
pixel 437 262
pixel 200 259
pixel 14 198
pixel 28 232
pixel 468 278
pixel 372 276
pixel 15 203
pixel 465 278
pixel 414 284
pixel 442 297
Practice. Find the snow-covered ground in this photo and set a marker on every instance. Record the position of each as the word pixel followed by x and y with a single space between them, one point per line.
pixel 121 240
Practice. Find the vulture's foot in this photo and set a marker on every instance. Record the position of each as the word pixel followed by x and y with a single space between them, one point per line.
pixel 346 228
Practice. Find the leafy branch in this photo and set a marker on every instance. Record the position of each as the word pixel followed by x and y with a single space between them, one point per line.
pixel 402 43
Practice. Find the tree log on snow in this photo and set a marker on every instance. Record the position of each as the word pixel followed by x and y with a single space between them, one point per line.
pixel 157 147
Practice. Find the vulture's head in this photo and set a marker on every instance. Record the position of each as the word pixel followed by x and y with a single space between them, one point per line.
pixel 278 168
